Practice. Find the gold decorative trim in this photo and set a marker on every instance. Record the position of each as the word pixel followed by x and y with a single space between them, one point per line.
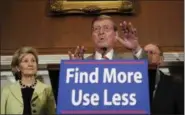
pixel 91 7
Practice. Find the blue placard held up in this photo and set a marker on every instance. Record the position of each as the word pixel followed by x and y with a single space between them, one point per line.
pixel 103 87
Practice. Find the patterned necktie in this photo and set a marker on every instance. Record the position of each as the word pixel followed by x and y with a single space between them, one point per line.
pixel 105 57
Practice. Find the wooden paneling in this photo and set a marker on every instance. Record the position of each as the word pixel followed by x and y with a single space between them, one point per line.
pixel 25 22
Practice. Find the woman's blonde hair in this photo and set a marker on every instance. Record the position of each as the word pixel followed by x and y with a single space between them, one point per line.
pixel 17 57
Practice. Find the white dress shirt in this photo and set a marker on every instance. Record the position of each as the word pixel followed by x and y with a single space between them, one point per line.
pixel 109 55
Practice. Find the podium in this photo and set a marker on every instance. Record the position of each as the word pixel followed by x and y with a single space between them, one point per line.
pixel 176 69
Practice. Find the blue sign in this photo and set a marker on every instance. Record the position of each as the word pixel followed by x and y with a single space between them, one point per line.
pixel 103 87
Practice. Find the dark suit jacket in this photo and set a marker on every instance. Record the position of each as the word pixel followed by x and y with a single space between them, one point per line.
pixel 169 96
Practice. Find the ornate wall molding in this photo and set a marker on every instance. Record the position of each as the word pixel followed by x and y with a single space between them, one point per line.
pixel 91 7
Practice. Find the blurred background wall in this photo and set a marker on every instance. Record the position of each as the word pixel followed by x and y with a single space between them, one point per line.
pixel 26 22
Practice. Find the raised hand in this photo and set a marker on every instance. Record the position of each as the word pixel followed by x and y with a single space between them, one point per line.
pixel 78 54
pixel 129 39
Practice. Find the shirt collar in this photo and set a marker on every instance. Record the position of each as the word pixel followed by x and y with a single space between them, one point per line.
pixel 109 55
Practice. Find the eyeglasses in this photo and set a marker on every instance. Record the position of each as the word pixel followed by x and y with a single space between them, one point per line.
pixel 152 52
pixel 104 28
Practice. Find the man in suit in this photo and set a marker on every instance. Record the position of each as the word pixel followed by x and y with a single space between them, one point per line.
pixel 105 34
pixel 166 94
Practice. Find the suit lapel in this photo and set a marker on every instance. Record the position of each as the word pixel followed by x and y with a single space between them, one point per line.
pixel 91 57
pixel 16 91
pixel 38 90
pixel 116 56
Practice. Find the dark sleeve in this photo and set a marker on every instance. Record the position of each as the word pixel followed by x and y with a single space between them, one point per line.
pixel 179 98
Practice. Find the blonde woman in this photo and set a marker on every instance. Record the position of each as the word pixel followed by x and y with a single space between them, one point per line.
pixel 28 95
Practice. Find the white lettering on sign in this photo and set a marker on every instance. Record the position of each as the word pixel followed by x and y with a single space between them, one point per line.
pixel 117 99
pixel 81 76
pixel 112 76
pixel 84 99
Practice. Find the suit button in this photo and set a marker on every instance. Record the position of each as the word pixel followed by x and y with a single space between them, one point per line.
pixel 33 105
pixel 34 111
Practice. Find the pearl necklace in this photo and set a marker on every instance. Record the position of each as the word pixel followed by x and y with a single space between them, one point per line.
pixel 25 86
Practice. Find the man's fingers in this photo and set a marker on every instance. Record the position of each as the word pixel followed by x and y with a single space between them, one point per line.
pixel 81 52
pixel 123 25
pixel 84 49
pixel 127 28
pixel 134 31
pixel 130 27
pixel 76 53
pixel 70 55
